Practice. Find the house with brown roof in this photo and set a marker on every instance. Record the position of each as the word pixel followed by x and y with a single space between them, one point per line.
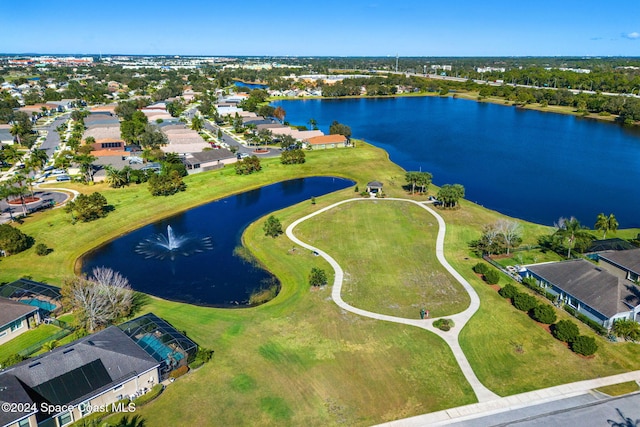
pixel 326 141
pixel 16 318
pixel 589 289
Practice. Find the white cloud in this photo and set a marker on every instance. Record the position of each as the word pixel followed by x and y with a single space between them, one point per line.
pixel 632 36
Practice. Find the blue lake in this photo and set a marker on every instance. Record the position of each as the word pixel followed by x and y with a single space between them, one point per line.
pixel 531 165
pixel 250 85
pixel 214 276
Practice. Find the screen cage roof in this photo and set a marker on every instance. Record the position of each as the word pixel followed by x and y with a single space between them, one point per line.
pixel 163 330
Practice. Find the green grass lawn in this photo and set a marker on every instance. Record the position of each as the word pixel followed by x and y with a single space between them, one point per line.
pixel 387 250
pixel 620 389
pixel 494 334
pixel 299 359
pixel 27 339
pixel 531 256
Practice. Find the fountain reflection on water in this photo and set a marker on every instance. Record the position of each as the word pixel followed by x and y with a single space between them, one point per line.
pixel 160 246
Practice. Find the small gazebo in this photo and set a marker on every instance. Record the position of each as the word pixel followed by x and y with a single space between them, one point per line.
pixel 374 187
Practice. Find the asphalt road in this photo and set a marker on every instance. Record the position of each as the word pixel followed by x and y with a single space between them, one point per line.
pixel 227 139
pixel 53 139
pixel 588 410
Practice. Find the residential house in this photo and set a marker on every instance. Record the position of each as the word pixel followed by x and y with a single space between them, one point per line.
pixel 589 289
pixel 208 160
pixel 61 386
pixel 624 264
pixel 5 134
pixel 326 141
pixel 16 318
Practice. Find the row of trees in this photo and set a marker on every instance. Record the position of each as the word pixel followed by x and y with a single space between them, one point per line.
pixel 418 179
pixel 564 330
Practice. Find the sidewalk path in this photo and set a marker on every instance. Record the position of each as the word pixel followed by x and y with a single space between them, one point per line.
pixel 483 394
pixel 488 402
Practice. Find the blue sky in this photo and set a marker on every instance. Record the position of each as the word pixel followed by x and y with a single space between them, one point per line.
pixel 325 27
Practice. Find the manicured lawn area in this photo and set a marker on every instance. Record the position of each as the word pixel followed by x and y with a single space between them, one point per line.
pixel 532 256
pixel 620 389
pixel 494 334
pixel 27 339
pixel 299 359
pixel 387 250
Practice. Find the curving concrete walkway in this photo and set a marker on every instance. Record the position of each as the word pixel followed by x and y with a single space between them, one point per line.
pixel 483 394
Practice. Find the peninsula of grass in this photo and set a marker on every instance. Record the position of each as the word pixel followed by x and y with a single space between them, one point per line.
pixel 387 251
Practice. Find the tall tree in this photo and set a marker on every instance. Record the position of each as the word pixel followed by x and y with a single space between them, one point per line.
pixel 100 300
pixel 450 195
pixel 197 123
pixel 574 233
pixel 412 180
pixel 606 223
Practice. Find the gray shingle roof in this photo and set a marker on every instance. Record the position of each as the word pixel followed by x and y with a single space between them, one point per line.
pixel 12 310
pixel 593 286
pixel 628 260
pixel 11 391
pixel 110 353
pixel 209 156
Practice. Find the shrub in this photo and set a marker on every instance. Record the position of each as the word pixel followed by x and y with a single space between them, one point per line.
pixel 317 277
pixel 11 360
pixel 569 310
pixel 584 345
pixel 508 291
pixel 524 302
pixel 492 277
pixel 627 329
pixel 480 268
pixel 565 330
pixel 150 395
pixel 443 324
pixel 12 240
pixel 42 249
pixel 178 372
pixel 272 227
pixel 600 330
pixel 544 313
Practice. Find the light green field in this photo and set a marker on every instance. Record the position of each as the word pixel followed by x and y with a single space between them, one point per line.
pixel 387 250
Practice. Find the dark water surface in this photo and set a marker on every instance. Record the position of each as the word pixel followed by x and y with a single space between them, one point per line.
pixel 526 164
pixel 215 276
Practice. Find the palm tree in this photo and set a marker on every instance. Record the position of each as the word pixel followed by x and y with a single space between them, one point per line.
pixel 37 159
pixel 116 178
pixel 197 123
pixel 7 190
pixel 606 223
pixel 574 233
pixel 20 190
pixel 135 421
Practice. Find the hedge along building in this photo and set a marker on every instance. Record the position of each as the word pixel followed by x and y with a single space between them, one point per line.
pixel 589 289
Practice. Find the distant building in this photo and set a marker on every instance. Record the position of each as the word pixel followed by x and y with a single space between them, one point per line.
pixel 326 141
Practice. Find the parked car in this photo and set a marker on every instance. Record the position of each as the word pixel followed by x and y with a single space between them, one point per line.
pixel 62 178
pixel 59 172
